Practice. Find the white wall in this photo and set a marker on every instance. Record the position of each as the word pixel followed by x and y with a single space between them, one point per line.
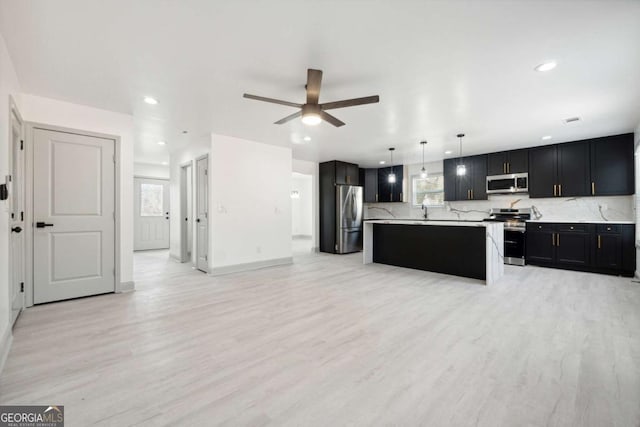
pixel 149 170
pixel 179 157
pixel 58 113
pixel 250 203
pixel 637 197
pixel 9 86
pixel 301 207
pixel 312 169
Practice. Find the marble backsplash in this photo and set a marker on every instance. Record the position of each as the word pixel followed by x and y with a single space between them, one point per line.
pixel 613 208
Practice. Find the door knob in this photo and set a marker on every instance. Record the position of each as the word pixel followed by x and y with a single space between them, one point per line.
pixel 16 229
pixel 43 225
pixel 198 220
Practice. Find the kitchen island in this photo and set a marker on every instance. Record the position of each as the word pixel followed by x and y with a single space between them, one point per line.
pixel 469 249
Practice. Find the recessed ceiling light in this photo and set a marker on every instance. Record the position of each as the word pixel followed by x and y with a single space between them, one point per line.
pixel 162 143
pixel 546 137
pixel 150 100
pixel 448 152
pixel 546 66
pixel 165 163
pixel 307 138
pixel 382 162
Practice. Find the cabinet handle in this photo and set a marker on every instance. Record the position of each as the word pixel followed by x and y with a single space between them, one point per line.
pixel 348 179
pixel 553 239
pixel 599 242
pixel 400 197
pixel 555 190
pixel 504 168
pixel 468 194
pixel 593 188
pixel 557 239
pixel 508 167
pixel 560 190
pixel 376 197
pixel 472 196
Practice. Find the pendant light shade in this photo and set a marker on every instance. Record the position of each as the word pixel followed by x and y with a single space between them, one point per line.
pixel 461 169
pixel 391 178
pixel 423 171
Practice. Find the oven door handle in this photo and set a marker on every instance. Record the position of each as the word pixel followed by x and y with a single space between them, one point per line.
pixel 519 230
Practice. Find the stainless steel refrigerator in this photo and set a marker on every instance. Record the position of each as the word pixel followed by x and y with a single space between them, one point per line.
pixel 349 205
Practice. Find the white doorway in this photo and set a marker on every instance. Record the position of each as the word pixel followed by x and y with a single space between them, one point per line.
pixel 17 251
pixel 186 210
pixel 302 218
pixel 74 211
pixel 202 213
pixel 151 214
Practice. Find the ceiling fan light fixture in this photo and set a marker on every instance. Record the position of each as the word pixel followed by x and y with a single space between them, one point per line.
pixel 311 119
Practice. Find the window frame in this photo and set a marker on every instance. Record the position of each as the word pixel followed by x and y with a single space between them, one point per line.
pixel 417 177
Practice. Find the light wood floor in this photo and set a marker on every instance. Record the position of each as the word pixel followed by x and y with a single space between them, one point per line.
pixel 328 341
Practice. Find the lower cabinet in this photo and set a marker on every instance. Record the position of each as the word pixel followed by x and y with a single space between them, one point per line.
pixel 600 248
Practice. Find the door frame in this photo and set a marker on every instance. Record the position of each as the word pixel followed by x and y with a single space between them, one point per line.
pixel 13 110
pixel 118 286
pixel 184 230
pixel 136 212
pixel 194 253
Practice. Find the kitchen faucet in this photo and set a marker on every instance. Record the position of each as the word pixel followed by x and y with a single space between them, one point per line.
pixel 425 214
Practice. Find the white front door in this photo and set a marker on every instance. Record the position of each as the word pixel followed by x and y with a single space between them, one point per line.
pixel 151 220
pixel 17 248
pixel 202 216
pixel 74 215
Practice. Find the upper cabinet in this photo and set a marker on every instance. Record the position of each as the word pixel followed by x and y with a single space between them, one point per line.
pixel 346 173
pixel 612 167
pixel 472 185
pixel 597 167
pixel 506 162
pixel 369 180
pixel 390 192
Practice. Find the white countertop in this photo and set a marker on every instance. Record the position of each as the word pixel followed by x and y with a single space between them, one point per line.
pixel 573 221
pixel 430 222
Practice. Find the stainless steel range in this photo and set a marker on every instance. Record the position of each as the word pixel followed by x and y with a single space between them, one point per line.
pixel 514 232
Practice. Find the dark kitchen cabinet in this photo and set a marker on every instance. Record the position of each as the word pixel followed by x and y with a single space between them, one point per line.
pixel 542 171
pixel 390 192
pixel 540 243
pixel 612 167
pixel 369 180
pixel 600 248
pixel 559 170
pixel 506 162
pixel 472 185
pixel 596 167
pixel 346 173
pixel 331 174
pixel 573 245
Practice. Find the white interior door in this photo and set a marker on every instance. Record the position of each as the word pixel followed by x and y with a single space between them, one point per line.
pixel 186 208
pixel 202 216
pixel 151 221
pixel 74 215
pixel 17 244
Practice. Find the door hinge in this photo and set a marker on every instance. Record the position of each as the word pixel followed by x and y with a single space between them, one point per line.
pixel 206 257
pixel 21 144
pixel 12 215
pixel 206 171
pixel 114 159
pixel 21 215
pixel 21 286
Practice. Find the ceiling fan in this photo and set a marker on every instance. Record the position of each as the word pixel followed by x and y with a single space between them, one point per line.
pixel 312 112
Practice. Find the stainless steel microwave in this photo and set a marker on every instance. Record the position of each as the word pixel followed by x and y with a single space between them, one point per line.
pixel 511 183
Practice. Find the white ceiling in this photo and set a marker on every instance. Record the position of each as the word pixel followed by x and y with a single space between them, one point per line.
pixel 440 67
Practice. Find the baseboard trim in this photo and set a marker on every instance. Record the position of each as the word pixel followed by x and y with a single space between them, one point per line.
pixel 126 287
pixel 5 346
pixel 239 268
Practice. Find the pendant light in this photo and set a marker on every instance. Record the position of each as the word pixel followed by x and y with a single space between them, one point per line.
pixel 461 169
pixel 423 171
pixel 392 176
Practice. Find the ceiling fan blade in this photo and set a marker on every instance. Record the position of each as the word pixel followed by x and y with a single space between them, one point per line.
pixel 350 102
pixel 330 119
pixel 271 100
pixel 314 81
pixel 288 118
